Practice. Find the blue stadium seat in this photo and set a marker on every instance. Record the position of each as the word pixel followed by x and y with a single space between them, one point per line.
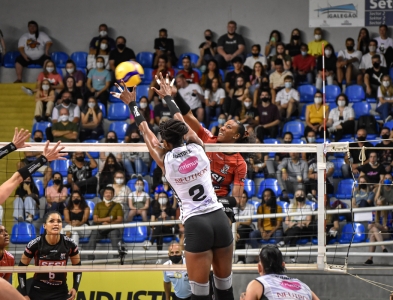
pixel 338 162
pixel 389 124
pixel 193 57
pixel 391 73
pixel 40 186
pixel 249 187
pixel 298 141
pixel 120 128
pixel 131 185
pixel 268 242
pixel 361 109
pixel 314 205
pixel 142 90
pixel 213 124
pixel 153 166
pixel 9 59
pixel 269 183
pixel 135 234
pixel 41 126
pixel 284 205
pixel 199 72
pixel 84 240
pixel 104 241
pixel 271 141
pixel 61 166
pixel 93 154
pixel 103 109
pixel 303 241
pixel 60 59
pixel 145 59
pixel 222 75
pixel 344 189
pixel 80 59
pixel 118 112
pixel 355 93
pixel 331 92
pixel 91 205
pixel 34 66
pixel 314 240
pixel 296 127
pixel 355 230
pixel 371 100
pixel 320 140
pixel 148 76
pixel 303 113
pixel 91 196
pixel 254 203
pixel 307 93
pixel 22 233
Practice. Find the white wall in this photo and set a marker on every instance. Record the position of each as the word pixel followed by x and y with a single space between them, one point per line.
pixel 72 23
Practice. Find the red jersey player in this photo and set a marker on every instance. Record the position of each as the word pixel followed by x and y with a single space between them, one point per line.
pixel 6 258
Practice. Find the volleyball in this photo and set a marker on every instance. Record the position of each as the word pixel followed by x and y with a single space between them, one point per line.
pixel 130 72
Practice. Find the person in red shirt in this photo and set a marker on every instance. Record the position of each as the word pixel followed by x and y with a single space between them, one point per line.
pixel 190 75
pixel 6 258
pixel 50 73
pixel 303 66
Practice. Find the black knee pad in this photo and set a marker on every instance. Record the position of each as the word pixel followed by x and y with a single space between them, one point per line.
pixel 224 294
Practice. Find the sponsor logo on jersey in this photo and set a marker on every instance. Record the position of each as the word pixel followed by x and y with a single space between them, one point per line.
pixel 52 263
pixel 188 165
pixel 289 295
pixel 217 178
pixel 225 169
pixel 181 154
pixel 190 178
pixel 62 256
pixel 294 286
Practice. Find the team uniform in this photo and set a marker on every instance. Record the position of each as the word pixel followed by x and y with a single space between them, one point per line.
pixel 7 260
pixel 50 285
pixel 179 280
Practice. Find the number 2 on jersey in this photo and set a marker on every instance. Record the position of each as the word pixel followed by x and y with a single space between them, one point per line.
pixel 196 192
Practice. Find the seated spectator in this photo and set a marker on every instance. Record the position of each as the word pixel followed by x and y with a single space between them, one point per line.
pixel 161 211
pixel 111 137
pixel 373 76
pixel 303 66
pixel 276 79
pixel 385 44
pixel 207 49
pixel 105 213
pixel 102 51
pixel 363 196
pixel 248 115
pixel 73 109
pixel 256 77
pixel 310 158
pixel 136 162
pixel 56 195
pixel 72 71
pixel 264 85
pixel 161 111
pixel 236 95
pixel 280 54
pixel 315 46
pixel 91 125
pixel 98 82
pixel 121 190
pixel 333 221
pixel 385 99
pixel 221 121
pixel 269 118
pixel 26 201
pixel 120 54
pixel 287 99
pixel 363 40
pixel 76 214
pixel 64 130
pixel 164 187
pixel 45 96
pixel 385 156
pixel 76 92
pixel 34 49
pixel 50 74
pixel 366 62
pixel 164 46
pixel 312 186
pixel 162 67
pixel 385 189
pixel 330 67
pixel 341 119
pixel 111 166
pixel 190 75
pixel 293 48
pixel 212 71
pixel 245 226
pixel 255 57
pixel 314 115
pixel 348 61
pixel 214 99
pixel 193 94
pixel 373 170
pixel 292 173
pixel 270 48
pixel 231 77
pixel 138 201
pixel 102 34
pixel 230 46
pixel 80 177
pixel 257 163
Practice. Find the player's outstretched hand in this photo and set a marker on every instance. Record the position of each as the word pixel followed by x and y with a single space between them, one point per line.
pixel 53 153
pixel 126 96
pixel 166 87
pixel 20 138
pixel 72 294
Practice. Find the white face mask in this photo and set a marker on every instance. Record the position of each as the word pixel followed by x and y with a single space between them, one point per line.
pixel 100 65
pixel 119 180
pixel 221 121
pixel 386 83
pixel 318 100
pixel 50 69
pixel 45 87
pixel 311 139
pixel 164 179
pixel 103 33
pixel 317 37
pixel 63 118
pixel 104 46
pixel 372 48
pixel 162 201
pixel 143 105
pixel 91 105
pixel 139 188
pixel 107 201
pixel 328 52
pixel 247 104
pixel 341 103
pixel 70 70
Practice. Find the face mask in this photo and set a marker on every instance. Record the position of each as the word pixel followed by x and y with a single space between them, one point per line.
pixel 265 99
pixel 38 140
pixel 111 166
pixel 300 199
pixel 221 121
pixel 317 37
pixel 385 83
pixel 363 186
pixel 296 37
pixel 135 140
pixel 387 181
pixel 361 138
pixel 255 54
pixel 63 118
pixel 57 181
pixel 311 139
pixel 164 179
pixel 107 201
pixel 70 70
pixel 27 182
pixel 385 136
pixel 269 202
pixel 91 105
pixel 208 37
pixel 80 158
pixel 247 104
pixel 288 85
pixel 175 258
pixel 139 188
pixel 162 201
pixel 50 69
pixel 163 101
pixel 76 201
pixel 103 33
pixel 111 140
pixel 121 46
pixel 304 53
pixel 103 46
pixel 341 103
pixel 265 84
pixel 328 52
pixel 66 102
pixel 287 142
pixel 318 100
pixel 45 87
pixel 350 48
pixel 143 105
pixel 376 65
pixel 100 65
pixel 119 180
pixel 372 48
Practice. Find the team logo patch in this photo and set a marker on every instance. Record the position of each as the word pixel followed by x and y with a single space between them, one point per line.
pixel 225 169
pixel 62 256
pixel 188 165
pixel 294 286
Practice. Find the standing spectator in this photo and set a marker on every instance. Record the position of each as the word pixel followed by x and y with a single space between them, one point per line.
pixel 64 130
pixel 363 196
pixel 91 125
pixel 56 195
pixel 348 61
pixel 270 48
pixel 147 113
pixel 287 99
pixel 373 170
pixel 190 75
pixel 214 99
pixel 373 76
pixel 212 71
pixel 102 51
pixel 120 54
pixel 303 66
pixel 269 118
pixel 341 119
pixel 248 115
pixel 102 34
pixel 162 67
pixel 138 201
pixel 231 77
pixel 293 48
pixel 292 173
pixel 111 166
pixel 256 56
pixel 385 156
pixel 26 201
pixel 315 46
pixel 256 77
pixel 385 44
pixel 330 67
pixel 73 109
pixel 78 75
pixel 366 62
pixel 50 73
pixel 385 189
pixel 235 98
pixel 385 99
pixel 276 78
pixel 280 54
pixel 207 49
pixel 193 94
pixel 80 177
pixel 76 93
pixel 363 41
pixel 34 49
pixel 136 162
pixel 45 96
pixel 98 82
pixel 314 115
pixel 164 47
pixel 230 45
pixel 121 190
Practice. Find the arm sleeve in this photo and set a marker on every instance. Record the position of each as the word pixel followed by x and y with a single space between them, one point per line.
pixel 7 150
pixel 220 42
pixel 241 40
pixel 46 39
pixel 73 248
pixel 166 278
pixel 22 41
pixel 31 248
pixel 240 174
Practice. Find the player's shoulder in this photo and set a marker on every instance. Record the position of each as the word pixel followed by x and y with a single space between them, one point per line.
pixel 8 254
pixel 34 242
pixel 68 240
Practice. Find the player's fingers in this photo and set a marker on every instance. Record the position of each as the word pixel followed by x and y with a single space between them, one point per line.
pixel 172 82
pixel 16 133
pixel 116 95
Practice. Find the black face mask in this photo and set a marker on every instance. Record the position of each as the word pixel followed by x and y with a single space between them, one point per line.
pixel 67 101
pixel 111 166
pixel 135 140
pixel 349 48
pixel 300 199
pixel 385 136
pixel 255 54
pixel 27 182
pixel 265 84
pixel 38 140
pixel 57 181
pixel 208 37
pixel 76 201
pixel 111 140
pixel 269 202
pixel 376 65
pixel 265 99
pixel 121 46
pixel 362 186
pixel 80 158
pixel 361 138
pixel 287 142
pixel 296 37
pixel 175 258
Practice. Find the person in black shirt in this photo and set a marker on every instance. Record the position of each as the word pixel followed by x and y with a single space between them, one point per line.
pixel 50 249
pixel 161 110
pixel 385 156
pixel 80 177
pixel 164 46
pixel 230 78
pixel 373 170
pixel 207 49
pixel 120 54
pixel 330 67
pixel 373 76
pixel 293 48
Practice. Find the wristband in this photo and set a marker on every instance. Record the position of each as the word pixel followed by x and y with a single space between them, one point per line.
pixel 31 168
pixel 183 106
pixel 7 150
pixel 139 118
pixel 77 277
pixel 173 108
pixel 22 280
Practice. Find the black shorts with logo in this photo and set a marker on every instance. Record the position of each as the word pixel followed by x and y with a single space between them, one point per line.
pixel 43 291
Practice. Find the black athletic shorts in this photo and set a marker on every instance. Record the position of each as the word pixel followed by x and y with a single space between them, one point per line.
pixel 26 63
pixel 207 231
pixel 43 291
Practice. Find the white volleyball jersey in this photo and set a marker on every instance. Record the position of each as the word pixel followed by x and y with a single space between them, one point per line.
pixel 187 170
pixel 284 288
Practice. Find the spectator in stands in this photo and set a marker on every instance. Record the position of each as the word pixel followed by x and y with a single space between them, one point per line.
pixel 212 71
pixel 190 75
pixel 385 44
pixel 103 34
pixel 255 57
pixel 269 117
pixel 314 115
pixel 315 46
pixel 121 190
pixel 248 114
pixel 348 61
pixel 138 201
pixel 164 187
pixel 373 76
pixel 147 113
pixel 303 66
pixel 272 165
pixel 270 48
pixel 257 163
pixel 111 166
pixel 330 67
pixel 78 75
pixel 363 41
pixel 363 195
pixel 341 119
pixel 312 186
pixel 50 73
pixel 366 62
pixel 56 195
pixel 120 54
pixel 221 121
pixel 287 99
pixel 230 46
pixel 293 48
pixel 80 177
pixel 310 158
pixel 73 109
pixel 26 201
pixel 105 213
pixel 264 85
pixel 34 49
pixel 235 98
pixel 280 54
pixel 385 156
pixel 91 125
pixel 207 49
pixel 101 51
pixel 76 214
pixel 256 77
pixel 292 173
pixel 231 77
pixel 385 189
pixel 161 111
pixel 385 99
pixel 45 96
pixel 276 79
pixel 268 228
pixel 162 67
pixel 76 92
pixel 136 162
pixel 214 99
pixel 64 130
pixel 98 82
pixel 111 137
pixel 3 48
pixel 373 170
pixel 193 94
pixel 164 47
pixel 333 221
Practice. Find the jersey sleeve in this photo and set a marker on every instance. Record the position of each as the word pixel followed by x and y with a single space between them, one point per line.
pixel 241 172
pixel 166 278
pixel 204 134
pixel 73 246
pixel 32 247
